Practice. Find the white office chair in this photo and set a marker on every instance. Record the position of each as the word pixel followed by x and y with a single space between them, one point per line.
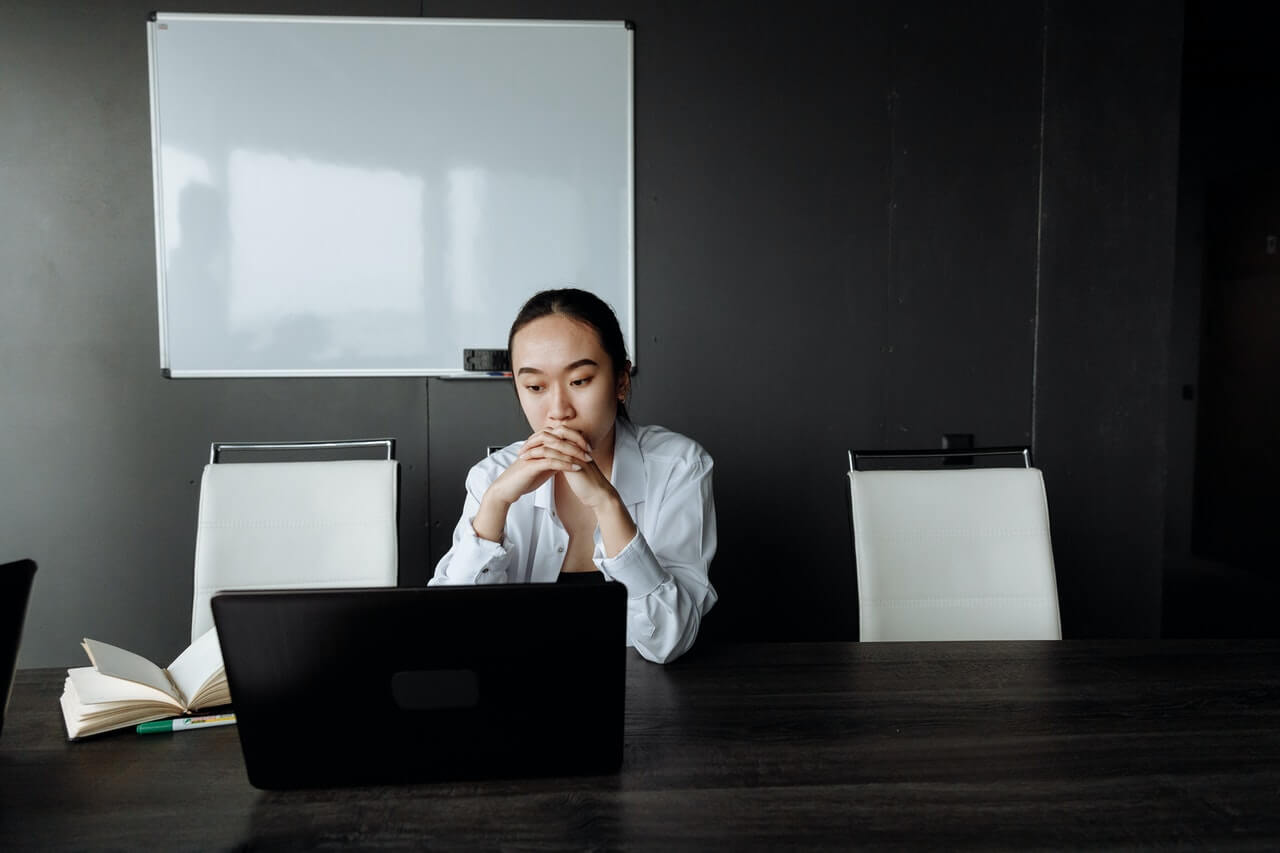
pixel 276 525
pixel 953 554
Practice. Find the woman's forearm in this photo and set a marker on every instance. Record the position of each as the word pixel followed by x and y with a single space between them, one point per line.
pixel 491 518
pixel 617 527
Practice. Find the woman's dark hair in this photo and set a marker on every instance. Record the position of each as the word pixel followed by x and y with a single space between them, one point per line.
pixel 585 307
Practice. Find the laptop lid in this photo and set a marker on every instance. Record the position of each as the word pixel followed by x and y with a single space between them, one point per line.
pixel 374 686
pixel 15 590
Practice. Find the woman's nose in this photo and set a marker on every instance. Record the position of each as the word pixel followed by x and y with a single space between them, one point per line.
pixel 561 408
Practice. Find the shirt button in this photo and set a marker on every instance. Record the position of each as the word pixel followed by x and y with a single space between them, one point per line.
pixel 560 550
pixel 485 570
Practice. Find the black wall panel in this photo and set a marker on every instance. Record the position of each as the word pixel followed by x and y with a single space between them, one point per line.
pixel 1107 255
pixel 958 324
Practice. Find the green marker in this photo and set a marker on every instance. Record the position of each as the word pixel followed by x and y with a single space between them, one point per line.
pixel 182 724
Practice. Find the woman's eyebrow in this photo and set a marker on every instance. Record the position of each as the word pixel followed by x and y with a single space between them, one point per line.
pixel 582 362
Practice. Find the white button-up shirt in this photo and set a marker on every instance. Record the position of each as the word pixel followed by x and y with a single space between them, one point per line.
pixel 664 479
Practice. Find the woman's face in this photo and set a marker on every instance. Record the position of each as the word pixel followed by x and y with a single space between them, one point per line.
pixel 565 378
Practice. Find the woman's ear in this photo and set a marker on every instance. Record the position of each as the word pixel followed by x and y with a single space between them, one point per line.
pixel 624 383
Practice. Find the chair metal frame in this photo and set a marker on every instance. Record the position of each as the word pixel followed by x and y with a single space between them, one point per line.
pixel 856 455
pixel 389 444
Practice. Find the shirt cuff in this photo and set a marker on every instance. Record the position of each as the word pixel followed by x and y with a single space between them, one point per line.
pixel 635 566
pixel 482 558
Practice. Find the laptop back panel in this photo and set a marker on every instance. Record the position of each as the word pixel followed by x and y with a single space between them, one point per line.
pixel 15 590
pixel 374 686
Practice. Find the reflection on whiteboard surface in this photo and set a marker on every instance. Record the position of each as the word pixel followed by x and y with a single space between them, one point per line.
pixel 339 196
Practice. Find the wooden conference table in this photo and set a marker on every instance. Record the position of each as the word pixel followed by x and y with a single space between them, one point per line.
pixel 1072 745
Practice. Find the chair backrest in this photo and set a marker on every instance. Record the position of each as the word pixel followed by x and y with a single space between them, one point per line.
pixel 279 525
pixel 959 554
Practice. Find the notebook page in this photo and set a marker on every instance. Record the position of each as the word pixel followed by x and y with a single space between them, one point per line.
pixel 201 661
pixel 118 663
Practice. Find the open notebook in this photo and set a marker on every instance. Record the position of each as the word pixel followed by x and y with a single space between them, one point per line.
pixel 123 689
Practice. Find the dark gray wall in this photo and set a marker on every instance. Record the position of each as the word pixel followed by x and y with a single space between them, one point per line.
pixel 100 458
pixel 851 222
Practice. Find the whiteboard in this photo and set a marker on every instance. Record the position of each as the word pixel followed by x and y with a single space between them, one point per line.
pixel 371 196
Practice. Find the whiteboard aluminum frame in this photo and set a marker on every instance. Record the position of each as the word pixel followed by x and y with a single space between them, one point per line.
pixel 155 19
pixel 157 194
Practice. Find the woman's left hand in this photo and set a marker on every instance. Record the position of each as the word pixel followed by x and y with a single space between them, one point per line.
pixel 617 527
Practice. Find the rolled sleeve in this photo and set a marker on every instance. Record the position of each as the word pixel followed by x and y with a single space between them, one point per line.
pixel 665 565
pixel 472 560
pixel 634 566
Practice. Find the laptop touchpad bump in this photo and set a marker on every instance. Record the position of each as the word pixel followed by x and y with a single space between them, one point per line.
pixel 435 689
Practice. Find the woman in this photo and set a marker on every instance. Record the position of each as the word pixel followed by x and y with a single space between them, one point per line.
pixel 590 496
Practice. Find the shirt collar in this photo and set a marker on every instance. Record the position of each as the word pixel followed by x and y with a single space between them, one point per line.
pixel 628 469
pixel 628 464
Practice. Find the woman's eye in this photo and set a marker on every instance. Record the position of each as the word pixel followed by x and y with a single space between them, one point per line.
pixel 581 381
pixel 534 389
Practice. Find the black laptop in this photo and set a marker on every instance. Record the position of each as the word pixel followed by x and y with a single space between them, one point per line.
pixel 377 686
pixel 15 589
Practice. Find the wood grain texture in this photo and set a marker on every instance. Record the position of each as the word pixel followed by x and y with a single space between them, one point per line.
pixel 1079 744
